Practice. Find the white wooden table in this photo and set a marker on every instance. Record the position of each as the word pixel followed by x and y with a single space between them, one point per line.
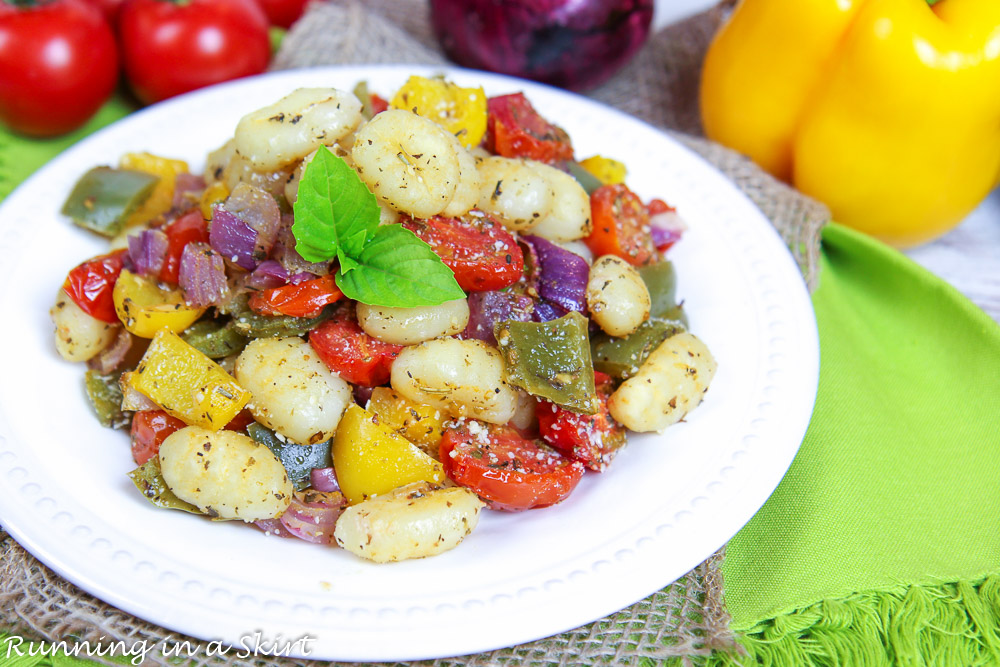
pixel 968 257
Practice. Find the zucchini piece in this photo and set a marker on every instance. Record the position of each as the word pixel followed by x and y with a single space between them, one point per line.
pixel 149 480
pixel 299 460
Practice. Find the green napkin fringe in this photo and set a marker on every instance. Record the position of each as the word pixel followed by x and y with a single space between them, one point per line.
pixel 947 624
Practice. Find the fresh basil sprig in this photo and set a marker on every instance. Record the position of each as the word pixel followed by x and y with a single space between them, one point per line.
pixel 337 217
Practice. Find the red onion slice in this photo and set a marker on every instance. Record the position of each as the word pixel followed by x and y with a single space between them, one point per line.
pixel 274 527
pixel 284 252
pixel 232 238
pixel 147 249
pixel 324 479
pixel 312 515
pixel 488 308
pixel 562 275
pixel 203 275
pixel 666 229
pixel 187 190
pixel 111 357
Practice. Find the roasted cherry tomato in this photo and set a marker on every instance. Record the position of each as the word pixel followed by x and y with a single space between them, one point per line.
pixel 379 103
pixel 149 429
pixel 306 299
pixel 351 353
pixel 621 225
pixel 483 255
pixel 240 422
pixel 189 228
pixel 91 285
pixel 283 13
pixel 58 65
pixel 172 47
pixel 591 439
pixel 509 472
pixel 515 129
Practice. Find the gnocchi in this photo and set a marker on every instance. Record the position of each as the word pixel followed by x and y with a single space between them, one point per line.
pixel 463 377
pixel 294 392
pixel 617 297
pixel 79 336
pixel 406 326
pixel 414 521
pixel 669 384
pixel 224 474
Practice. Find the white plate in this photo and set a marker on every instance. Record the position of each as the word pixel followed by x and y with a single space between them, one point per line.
pixel 667 503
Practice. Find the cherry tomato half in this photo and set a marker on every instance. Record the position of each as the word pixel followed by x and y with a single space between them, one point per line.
pixel 621 225
pixel 171 48
pixel 515 129
pixel 92 284
pixel 351 353
pixel 306 299
pixel 189 228
pixel 591 439
pixel 483 255
pixel 509 472
pixel 58 65
pixel 149 429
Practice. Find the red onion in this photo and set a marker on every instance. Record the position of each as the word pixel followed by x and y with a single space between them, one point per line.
pixel 245 226
pixel 284 251
pixel 187 189
pixel 147 249
pixel 312 515
pixel 362 394
pixel 111 357
pixel 488 308
pixel 562 275
pixel 324 479
pixel 666 229
pixel 203 275
pixel 575 44
pixel 270 273
pixel 274 527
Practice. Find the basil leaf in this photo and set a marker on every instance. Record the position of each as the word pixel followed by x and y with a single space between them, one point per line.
pixel 398 270
pixel 335 213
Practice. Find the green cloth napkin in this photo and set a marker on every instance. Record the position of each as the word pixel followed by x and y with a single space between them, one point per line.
pixel 882 543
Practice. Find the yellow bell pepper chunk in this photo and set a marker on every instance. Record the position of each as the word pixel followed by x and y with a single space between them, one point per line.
pixel 605 169
pixel 885 110
pixel 144 307
pixel 422 425
pixel 186 383
pixel 212 195
pixel 162 197
pixel 461 111
pixel 371 459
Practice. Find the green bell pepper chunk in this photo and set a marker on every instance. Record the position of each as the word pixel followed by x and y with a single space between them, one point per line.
pixel 254 325
pixel 149 480
pixel 215 339
pixel 661 281
pixel 106 397
pixel 103 198
pixel 587 180
pixel 551 360
pixel 621 357
pixel 299 460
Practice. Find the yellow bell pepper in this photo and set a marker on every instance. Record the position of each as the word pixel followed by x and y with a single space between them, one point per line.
pixel 186 383
pixel 144 307
pixel 162 197
pixel 888 111
pixel 461 111
pixel 371 459
pixel 422 425
pixel 607 170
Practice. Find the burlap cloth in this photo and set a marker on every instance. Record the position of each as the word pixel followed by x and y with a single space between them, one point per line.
pixel 684 620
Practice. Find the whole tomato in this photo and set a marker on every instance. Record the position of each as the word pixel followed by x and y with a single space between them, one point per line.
pixel 172 47
pixel 283 12
pixel 58 65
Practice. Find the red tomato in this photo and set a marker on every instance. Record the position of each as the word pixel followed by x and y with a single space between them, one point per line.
pixel 621 225
pixel 149 429
pixel 483 255
pixel 379 103
pixel 509 472
pixel 171 48
pixel 305 299
pixel 515 129
pixel 189 228
pixel 591 439
pixel 58 65
pixel 109 8
pixel 240 422
pixel 283 12
pixel 351 353
pixel 91 285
